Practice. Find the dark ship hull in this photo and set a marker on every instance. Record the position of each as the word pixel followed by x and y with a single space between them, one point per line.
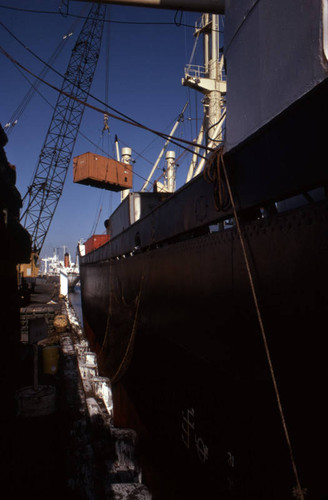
pixel 167 302
pixel 175 328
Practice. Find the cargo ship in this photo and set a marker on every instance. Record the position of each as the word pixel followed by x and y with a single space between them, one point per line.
pixel 207 305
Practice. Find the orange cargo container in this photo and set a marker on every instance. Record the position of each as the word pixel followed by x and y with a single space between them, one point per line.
pixel 98 171
pixel 95 241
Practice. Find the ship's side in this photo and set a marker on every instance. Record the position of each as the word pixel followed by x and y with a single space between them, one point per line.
pixel 167 302
pixel 176 329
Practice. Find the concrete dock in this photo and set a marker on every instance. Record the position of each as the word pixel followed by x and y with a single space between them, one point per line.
pixel 57 436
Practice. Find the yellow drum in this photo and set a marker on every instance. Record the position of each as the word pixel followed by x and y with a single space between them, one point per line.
pixel 50 358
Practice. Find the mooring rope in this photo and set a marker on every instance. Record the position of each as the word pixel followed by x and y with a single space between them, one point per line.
pixel 133 333
pixel 212 174
pixel 298 491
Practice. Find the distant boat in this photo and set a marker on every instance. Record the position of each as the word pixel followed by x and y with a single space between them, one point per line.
pixel 52 266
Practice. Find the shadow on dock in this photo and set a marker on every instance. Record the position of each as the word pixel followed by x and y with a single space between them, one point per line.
pixel 57 436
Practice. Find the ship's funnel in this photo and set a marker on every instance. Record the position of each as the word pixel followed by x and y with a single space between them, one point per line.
pixel 170 171
pixel 126 155
pixel 126 159
pixel 66 259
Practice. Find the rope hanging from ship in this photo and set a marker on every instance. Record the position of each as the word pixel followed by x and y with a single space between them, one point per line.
pixel 125 361
pixel 128 352
pixel 298 492
pixel 213 174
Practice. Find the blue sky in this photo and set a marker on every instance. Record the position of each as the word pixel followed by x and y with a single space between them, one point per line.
pixel 146 64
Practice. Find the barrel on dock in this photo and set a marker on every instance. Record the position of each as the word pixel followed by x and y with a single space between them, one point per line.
pixel 50 358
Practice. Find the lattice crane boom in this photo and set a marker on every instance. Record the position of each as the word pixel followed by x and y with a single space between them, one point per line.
pixel 47 186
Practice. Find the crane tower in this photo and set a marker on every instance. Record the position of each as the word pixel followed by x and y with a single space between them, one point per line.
pixel 45 191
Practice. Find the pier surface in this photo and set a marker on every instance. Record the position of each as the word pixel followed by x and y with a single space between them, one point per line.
pixel 56 433
pixel 33 447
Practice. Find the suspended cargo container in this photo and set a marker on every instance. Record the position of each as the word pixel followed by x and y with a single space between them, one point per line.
pixel 95 241
pixel 98 171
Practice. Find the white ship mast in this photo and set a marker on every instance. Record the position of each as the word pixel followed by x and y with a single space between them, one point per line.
pixel 208 79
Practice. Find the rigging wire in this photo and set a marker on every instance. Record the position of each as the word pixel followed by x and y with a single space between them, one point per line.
pixel 194 48
pixel 169 127
pixel 105 132
pixel 209 138
pixel 65 4
pixel 176 23
pixel 138 155
pixel 122 116
pixel 97 146
pixel 106 126
pixel 187 89
pixel 132 122
pixel 98 213
pixel 35 85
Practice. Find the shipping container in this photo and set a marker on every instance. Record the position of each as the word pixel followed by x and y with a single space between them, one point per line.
pixel 98 171
pixel 95 241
